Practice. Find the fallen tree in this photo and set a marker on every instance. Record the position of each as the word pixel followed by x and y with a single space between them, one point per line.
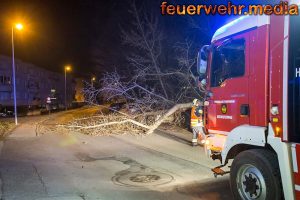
pixel 106 124
pixel 167 114
pixel 152 90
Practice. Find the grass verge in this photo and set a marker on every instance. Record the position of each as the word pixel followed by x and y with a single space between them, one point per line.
pixel 5 128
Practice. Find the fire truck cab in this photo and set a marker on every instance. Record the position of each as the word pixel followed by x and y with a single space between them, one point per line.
pixel 251 73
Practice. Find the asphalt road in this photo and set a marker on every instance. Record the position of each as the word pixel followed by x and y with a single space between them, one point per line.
pixel 75 166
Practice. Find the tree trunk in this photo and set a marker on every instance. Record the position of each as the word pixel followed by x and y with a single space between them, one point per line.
pixel 165 116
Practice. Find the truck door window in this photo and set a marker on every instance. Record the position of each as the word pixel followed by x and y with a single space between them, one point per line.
pixel 228 61
pixel 294 80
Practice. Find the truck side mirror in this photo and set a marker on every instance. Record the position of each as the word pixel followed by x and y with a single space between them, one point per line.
pixel 202 60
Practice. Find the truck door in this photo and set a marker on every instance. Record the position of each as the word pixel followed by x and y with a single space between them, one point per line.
pixel 294 80
pixel 228 85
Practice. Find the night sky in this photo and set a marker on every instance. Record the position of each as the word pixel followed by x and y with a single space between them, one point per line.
pixel 56 32
pixel 78 32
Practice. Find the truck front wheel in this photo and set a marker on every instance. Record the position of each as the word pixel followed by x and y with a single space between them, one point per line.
pixel 255 174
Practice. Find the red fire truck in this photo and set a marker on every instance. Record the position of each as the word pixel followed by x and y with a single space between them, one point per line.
pixel 252 107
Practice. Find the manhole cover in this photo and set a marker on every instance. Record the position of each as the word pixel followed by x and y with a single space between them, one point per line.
pixel 143 179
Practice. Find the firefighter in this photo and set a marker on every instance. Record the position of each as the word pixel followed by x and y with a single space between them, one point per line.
pixel 197 122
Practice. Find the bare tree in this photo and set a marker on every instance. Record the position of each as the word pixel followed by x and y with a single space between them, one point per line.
pixel 186 57
pixel 204 27
pixel 146 37
pixel 151 94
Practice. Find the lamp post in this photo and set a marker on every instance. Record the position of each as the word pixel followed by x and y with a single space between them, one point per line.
pixel 18 27
pixel 93 79
pixel 67 69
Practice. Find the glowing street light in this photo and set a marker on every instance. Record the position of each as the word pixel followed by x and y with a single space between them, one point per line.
pixel 17 26
pixel 93 79
pixel 68 68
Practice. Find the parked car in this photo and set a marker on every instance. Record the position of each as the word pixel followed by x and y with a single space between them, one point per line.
pixel 4 112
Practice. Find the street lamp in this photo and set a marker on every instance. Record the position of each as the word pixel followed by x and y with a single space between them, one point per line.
pixel 67 69
pixel 17 26
pixel 93 79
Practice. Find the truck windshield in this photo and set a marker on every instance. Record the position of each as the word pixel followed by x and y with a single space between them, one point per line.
pixel 228 61
pixel 294 80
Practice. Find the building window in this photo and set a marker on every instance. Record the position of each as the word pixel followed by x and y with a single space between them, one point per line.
pixel 5 80
pixel 228 61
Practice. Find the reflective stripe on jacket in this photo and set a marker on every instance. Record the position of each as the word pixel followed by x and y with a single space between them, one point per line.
pixel 195 121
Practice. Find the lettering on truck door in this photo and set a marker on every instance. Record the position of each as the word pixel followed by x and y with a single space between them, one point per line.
pixel 228 84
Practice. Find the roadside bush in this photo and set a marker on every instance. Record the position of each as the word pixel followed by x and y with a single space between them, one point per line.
pixel 5 128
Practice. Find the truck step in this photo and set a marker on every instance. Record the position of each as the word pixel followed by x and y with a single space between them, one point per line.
pixel 219 172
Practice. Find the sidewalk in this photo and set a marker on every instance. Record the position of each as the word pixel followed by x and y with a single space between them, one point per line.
pixel 23 131
pixel 172 142
pixel 175 132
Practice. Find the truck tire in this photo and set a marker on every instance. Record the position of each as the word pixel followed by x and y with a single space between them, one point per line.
pixel 255 174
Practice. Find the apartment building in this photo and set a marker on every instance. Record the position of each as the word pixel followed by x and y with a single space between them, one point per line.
pixel 33 84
